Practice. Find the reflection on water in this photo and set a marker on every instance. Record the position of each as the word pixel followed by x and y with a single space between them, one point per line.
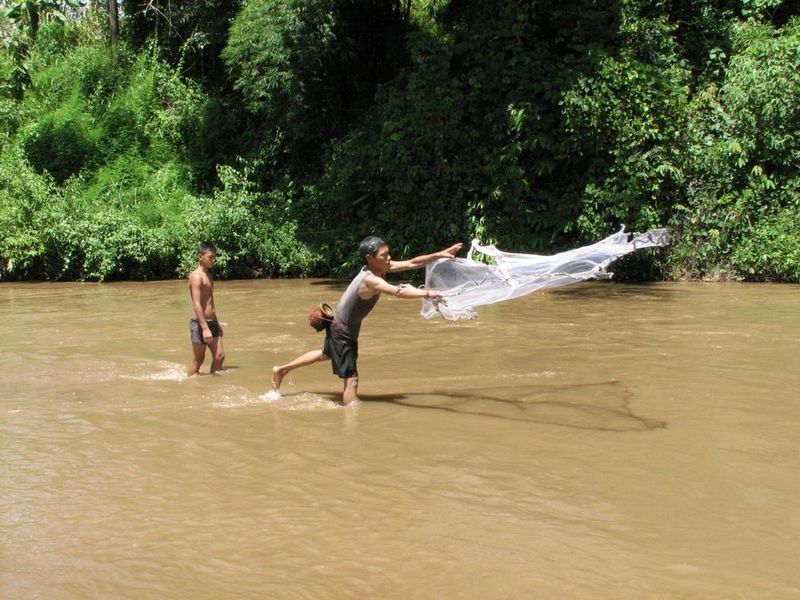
pixel 599 441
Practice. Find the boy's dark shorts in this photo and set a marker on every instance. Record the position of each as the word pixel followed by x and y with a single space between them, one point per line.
pixel 343 355
pixel 196 332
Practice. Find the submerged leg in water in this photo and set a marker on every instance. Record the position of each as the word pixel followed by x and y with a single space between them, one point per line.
pixel 350 390
pixel 198 357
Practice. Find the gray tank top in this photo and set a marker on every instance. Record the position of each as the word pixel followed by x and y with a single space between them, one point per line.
pixel 352 309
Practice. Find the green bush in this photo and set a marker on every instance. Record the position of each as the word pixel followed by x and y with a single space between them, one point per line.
pixel 7 68
pixel 629 114
pixel 741 159
pixel 253 235
pixel 771 251
pixel 62 142
pixel 25 224
pixel 277 51
pixel 88 72
pixel 9 116
pixel 113 244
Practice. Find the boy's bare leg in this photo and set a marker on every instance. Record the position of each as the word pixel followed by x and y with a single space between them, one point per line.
pixel 217 353
pixel 309 358
pixel 350 392
pixel 199 352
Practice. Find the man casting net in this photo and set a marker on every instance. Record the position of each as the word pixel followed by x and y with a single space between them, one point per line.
pixel 466 283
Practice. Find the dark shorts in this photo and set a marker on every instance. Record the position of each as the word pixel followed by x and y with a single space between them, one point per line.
pixel 343 355
pixel 197 333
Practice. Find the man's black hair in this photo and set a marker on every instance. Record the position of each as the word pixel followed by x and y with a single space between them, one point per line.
pixel 369 246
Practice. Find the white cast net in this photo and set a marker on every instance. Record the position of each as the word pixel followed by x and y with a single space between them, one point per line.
pixel 466 283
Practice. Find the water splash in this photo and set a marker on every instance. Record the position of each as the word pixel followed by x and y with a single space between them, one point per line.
pixel 158 371
pixel 272 396
pixel 308 401
pixel 301 401
pixel 305 401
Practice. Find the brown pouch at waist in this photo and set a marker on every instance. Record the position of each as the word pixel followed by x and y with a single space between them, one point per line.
pixel 320 316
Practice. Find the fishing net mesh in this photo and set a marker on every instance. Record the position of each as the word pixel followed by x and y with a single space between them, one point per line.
pixel 467 283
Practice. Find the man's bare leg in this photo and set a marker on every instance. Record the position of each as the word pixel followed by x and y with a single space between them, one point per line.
pixel 309 358
pixel 350 392
pixel 199 352
pixel 217 354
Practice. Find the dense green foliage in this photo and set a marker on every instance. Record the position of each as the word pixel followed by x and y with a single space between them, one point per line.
pixel 741 198
pixel 287 130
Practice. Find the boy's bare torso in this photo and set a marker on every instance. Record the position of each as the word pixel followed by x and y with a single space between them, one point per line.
pixel 205 286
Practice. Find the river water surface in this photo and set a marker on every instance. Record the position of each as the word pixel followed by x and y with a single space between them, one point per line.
pixel 598 441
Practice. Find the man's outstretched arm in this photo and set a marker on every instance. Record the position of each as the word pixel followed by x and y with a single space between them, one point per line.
pixel 379 285
pixel 419 262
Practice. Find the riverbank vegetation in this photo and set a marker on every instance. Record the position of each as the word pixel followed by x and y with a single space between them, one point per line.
pixel 286 131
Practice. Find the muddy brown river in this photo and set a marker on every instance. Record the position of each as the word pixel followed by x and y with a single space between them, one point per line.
pixel 598 441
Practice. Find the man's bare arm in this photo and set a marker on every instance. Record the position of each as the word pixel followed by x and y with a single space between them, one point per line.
pixel 377 284
pixel 419 262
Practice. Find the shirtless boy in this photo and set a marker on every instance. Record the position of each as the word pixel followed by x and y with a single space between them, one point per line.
pixel 341 338
pixel 203 326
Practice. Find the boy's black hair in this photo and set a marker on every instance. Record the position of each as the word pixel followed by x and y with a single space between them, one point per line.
pixel 204 247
